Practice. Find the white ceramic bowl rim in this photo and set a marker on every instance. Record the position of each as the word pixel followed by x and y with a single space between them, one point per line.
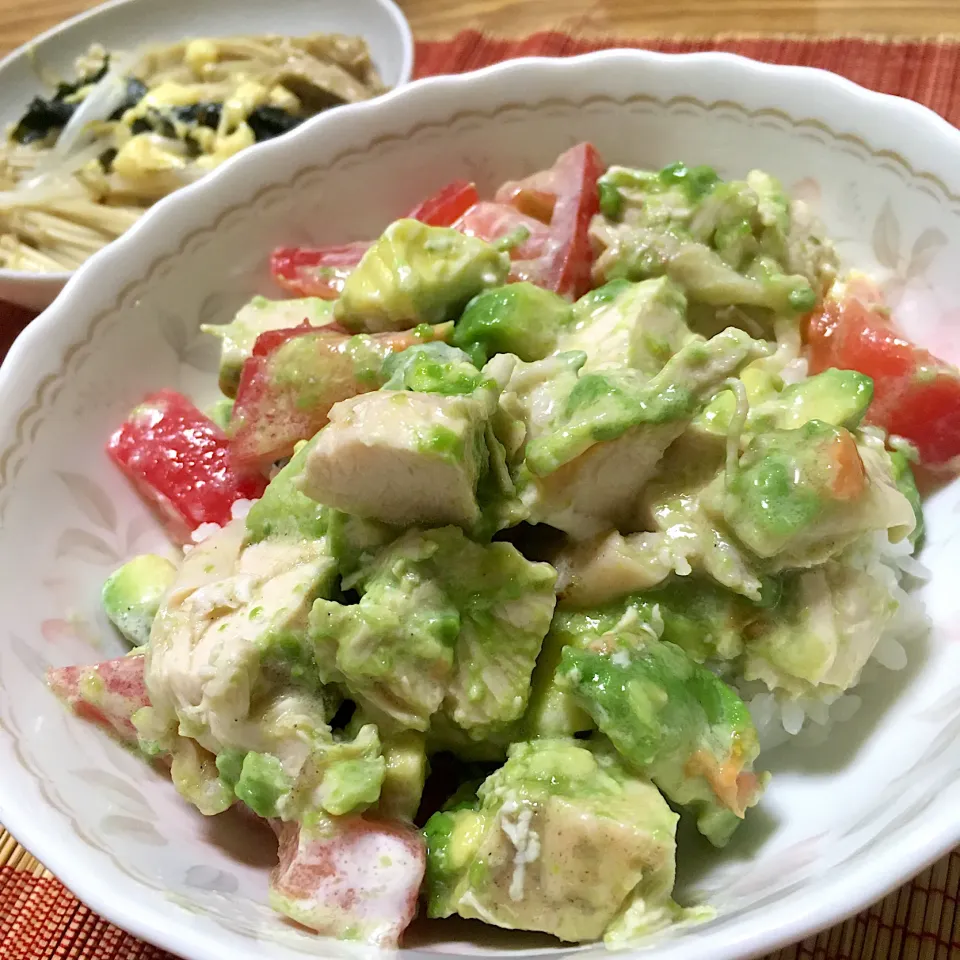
pixel 929 837
pixel 406 70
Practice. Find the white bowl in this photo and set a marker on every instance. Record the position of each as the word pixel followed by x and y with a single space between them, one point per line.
pixel 128 24
pixel 841 824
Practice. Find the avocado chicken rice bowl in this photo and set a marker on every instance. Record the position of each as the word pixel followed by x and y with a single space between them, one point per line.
pixel 574 497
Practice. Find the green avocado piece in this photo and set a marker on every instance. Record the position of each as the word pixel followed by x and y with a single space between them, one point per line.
pixel 553 711
pixel 261 784
pixel 786 483
pixel 520 318
pixel 604 404
pixel 442 622
pixel 562 835
pixel 132 595
pixel 353 784
pixel 725 243
pixel 285 511
pixel 258 316
pixel 220 412
pixel 432 368
pixel 416 274
pixel 673 720
pixel 405 754
pixel 837 397
pixel 907 485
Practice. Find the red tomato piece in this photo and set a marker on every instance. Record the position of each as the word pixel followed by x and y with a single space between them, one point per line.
pixel 356 874
pixel 107 694
pixel 179 460
pixel 915 395
pixel 316 272
pixel 445 206
pixel 494 221
pixel 566 196
pixel 296 375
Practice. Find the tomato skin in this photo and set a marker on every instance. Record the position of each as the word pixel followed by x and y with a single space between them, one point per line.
pixel 915 395
pixel 448 204
pixel 571 184
pixel 493 221
pixel 179 461
pixel 315 272
pixel 120 691
pixel 284 396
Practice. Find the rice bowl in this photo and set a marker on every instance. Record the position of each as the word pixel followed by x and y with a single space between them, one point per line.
pixel 798 879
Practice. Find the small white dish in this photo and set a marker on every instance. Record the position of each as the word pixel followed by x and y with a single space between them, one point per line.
pixel 128 24
pixel 843 821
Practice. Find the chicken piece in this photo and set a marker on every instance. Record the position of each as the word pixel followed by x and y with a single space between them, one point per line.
pixel 822 632
pixel 594 440
pixel 639 325
pixel 352 877
pixel 402 458
pixel 602 569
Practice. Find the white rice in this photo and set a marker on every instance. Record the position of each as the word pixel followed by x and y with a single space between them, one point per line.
pixel 807 720
pixel 238 510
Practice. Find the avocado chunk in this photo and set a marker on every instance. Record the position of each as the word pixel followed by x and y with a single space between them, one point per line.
pixel 907 485
pixel 837 397
pixel 415 274
pixel 220 412
pixel 671 719
pixel 132 595
pixel 553 711
pixel 443 623
pixel 284 510
pixel 799 496
pixel 520 318
pixel 559 840
pixel 639 325
pixel 258 316
pixel 405 755
pixel 737 243
pixel 432 368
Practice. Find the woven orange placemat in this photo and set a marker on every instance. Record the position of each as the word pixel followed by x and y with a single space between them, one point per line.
pixel 41 920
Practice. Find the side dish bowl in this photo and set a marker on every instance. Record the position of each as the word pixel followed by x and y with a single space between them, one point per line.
pixel 842 823
pixel 132 24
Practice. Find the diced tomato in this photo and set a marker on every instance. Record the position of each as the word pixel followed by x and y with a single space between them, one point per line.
pixel 915 395
pixel 356 874
pixel 295 376
pixel 445 206
pixel 316 272
pixel 107 694
pixel 566 197
pixel 180 461
pixel 538 204
pixel 494 221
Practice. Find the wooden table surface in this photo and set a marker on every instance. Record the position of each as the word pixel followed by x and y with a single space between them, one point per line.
pixel 22 19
